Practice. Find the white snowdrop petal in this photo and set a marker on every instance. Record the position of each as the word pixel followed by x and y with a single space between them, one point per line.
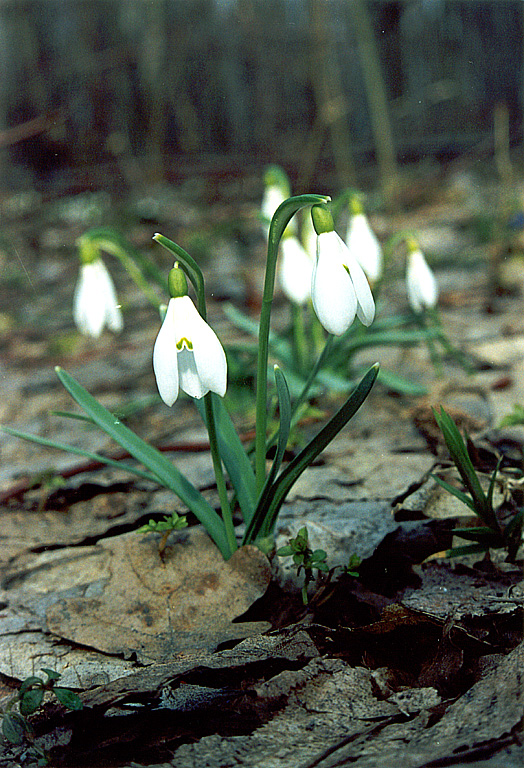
pixel 421 283
pixel 273 197
pixel 365 246
pixel 165 363
pixel 332 292
pixel 189 378
pixel 295 270
pixel 210 358
pixel 365 301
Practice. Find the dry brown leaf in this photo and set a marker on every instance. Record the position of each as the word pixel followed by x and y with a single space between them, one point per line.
pixel 157 608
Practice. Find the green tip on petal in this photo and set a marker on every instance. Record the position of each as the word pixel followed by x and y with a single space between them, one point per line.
pixel 355 205
pixel 277 177
pixel 322 219
pixel 412 244
pixel 177 283
pixel 88 251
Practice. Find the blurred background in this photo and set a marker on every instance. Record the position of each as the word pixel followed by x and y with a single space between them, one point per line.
pixel 111 94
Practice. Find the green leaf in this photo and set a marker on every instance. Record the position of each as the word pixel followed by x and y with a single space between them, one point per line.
pixel 266 514
pixel 51 673
pixel 469 549
pixel 31 700
pixel 482 535
pixel 460 456
pixel 14 727
pixel 397 383
pixel 68 698
pixel 80 452
pixel 285 551
pixel 168 475
pixel 28 683
pixel 234 456
pixel 284 402
pixel 460 495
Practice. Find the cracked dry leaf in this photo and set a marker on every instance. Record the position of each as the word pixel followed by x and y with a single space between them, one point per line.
pixel 158 608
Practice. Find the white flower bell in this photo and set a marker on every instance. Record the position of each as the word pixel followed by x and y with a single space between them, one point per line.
pixel 94 303
pixel 296 268
pixel 339 287
pixel 364 245
pixel 420 281
pixel 276 189
pixel 187 353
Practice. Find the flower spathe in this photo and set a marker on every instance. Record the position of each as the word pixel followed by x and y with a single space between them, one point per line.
pixel 296 267
pixel 339 287
pixel 364 245
pixel 420 282
pixel 188 354
pixel 95 304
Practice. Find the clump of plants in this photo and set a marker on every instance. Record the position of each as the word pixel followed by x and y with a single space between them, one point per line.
pixel 16 727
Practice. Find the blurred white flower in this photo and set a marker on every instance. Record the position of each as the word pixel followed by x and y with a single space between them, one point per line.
pixel 94 303
pixel 272 198
pixel 420 281
pixel 339 287
pixel 364 245
pixel 296 268
pixel 188 354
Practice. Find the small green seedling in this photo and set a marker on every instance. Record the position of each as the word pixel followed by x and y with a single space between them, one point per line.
pixel 174 522
pixel 351 569
pixel 305 558
pixel 491 535
pixel 29 697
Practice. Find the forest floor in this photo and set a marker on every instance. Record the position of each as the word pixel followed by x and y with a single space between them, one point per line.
pixel 183 660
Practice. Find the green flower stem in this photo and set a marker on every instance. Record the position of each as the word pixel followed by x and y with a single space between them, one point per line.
pixel 279 222
pixel 190 267
pixel 114 248
pixel 219 473
pixel 299 337
pixel 194 273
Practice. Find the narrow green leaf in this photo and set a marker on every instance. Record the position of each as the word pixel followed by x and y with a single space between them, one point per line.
pixel 80 452
pixel 68 698
pixel 484 536
pixel 31 700
pixel 493 478
pixel 460 456
pixel 234 456
pixel 284 404
pixel 469 549
pixel 514 524
pixel 266 514
pixel 283 437
pixel 164 470
pixel 460 495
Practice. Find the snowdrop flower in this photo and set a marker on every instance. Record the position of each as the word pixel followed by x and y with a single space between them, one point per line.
pixel 364 245
pixel 187 352
pixel 94 303
pixel 296 268
pixel 339 287
pixel 276 189
pixel 420 281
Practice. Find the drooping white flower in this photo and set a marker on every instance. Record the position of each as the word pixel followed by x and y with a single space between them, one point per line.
pixel 272 198
pixel 296 268
pixel 420 281
pixel 188 354
pixel 364 245
pixel 94 303
pixel 339 287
